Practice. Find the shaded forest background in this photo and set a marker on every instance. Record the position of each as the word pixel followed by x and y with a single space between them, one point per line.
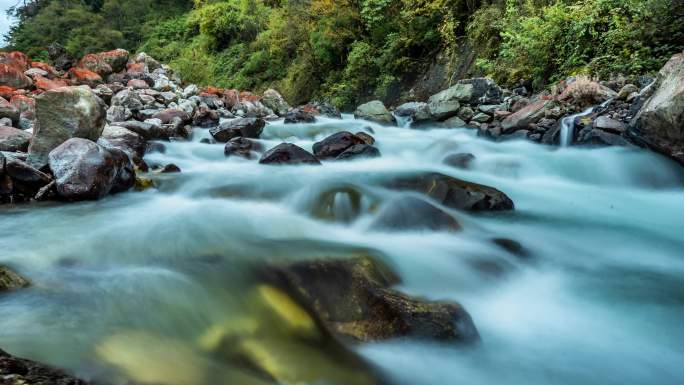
pixel 348 51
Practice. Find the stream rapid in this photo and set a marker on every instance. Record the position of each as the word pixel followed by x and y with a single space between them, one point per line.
pixel 599 300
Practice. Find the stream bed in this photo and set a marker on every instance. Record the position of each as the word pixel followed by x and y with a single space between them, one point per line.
pixel 598 300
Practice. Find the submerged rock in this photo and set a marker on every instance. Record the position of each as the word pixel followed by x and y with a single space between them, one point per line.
pixel 375 111
pixel 461 160
pixel 18 371
pixel 359 151
pixel 10 280
pixel 354 299
pixel 242 147
pixel 287 153
pixel 86 170
pixel 454 193
pixel 62 114
pixel 412 213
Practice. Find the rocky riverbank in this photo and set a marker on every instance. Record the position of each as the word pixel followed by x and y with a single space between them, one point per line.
pixel 84 133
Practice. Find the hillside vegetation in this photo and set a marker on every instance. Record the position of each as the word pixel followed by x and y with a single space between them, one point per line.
pixel 348 51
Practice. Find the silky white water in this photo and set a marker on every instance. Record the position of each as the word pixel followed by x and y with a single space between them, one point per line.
pixel 600 300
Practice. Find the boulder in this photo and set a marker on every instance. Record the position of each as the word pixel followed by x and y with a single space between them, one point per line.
pixel 205 117
pixel 413 213
pixel 523 118
pixel 20 179
pixel 241 147
pixel 95 63
pixel 323 108
pixel 447 103
pixel 298 115
pixel 129 99
pixel 11 76
pixel 13 139
pixel 287 153
pixel 465 113
pixel 416 111
pixel 10 280
pixel 241 127
pixel 453 122
pixel 354 299
pixel 7 110
pixel 45 84
pixel 598 137
pixel 336 144
pixel 15 59
pixel 147 130
pixel 606 123
pixel 85 170
pixel 137 84
pixel 116 59
pixel 168 115
pixel 626 91
pixel 454 193
pixel 126 140
pixel 273 100
pixel 82 76
pixel 366 138
pixel 483 91
pixel 61 114
pixel 374 111
pixel 60 57
pixel 659 124
pixel 118 114
pixel 18 371
pixel 481 117
pixel 359 151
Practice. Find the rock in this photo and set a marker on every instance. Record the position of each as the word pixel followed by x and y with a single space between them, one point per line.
pixel 118 114
pixel 374 111
pixel 59 57
pixel 359 151
pixel 205 117
pixel 412 213
pixel 354 299
pixel 95 63
pixel 484 91
pixel 13 139
pixel 465 113
pixel 607 124
pixel 126 140
pixel 61 114
pixel 129 99
pixel 137 84
pixel 190 90
pixel 298 115
pixel 85 170
pixel 660 122
pixel 35 72
pixel 241 127
pixel 335 144
pixel 10 280
pixel 453 122
pixel 81 76
pixel 602 138
pixel 150 63
pixel 287 153
pixel 242 147
pixel 517 135
pixel 454 193
pixel 366 138
pixel 7 122
pixel 462 160
pixel 627 90
pixel 21 181
pixel 17 371
pixel 168 115
pixel 7 110
pixel 147 130
pixel 447 103
pixel 416 111
pixel 11 76
pixel 481 118
pixel 273 100
pixel 523 118
pixel 323 108
pixel 170 169
pixel 116 59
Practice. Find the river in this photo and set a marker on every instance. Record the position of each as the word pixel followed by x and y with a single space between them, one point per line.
pixel 600 300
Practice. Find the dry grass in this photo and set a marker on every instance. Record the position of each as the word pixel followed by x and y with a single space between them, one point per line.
pixel 584 91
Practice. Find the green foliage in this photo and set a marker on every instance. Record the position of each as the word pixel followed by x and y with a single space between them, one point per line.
pixel 350 51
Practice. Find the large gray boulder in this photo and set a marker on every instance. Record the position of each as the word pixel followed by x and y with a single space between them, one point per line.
pixel 62 114
pixel 375 111
pixel 446 104
pixel 85 170
pixel 273 100
pixel 660 122
pixel 416 111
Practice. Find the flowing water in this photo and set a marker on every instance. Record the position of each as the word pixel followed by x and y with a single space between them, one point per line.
pixel 567 132
pixel 599 301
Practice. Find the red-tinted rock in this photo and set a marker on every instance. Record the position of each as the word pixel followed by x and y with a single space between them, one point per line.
pixel 231 98
pixel 81 76
pixel 17 60
pixel 116 59
pixel 95 63
pixel 25 105
pixel 6 92
pixel 213 90
pixel 11 76
pixel 43 83
pixel 136 68
pixel 45 67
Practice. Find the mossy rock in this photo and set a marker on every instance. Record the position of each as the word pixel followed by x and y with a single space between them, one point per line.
pixel 10 280
pixel 353 298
